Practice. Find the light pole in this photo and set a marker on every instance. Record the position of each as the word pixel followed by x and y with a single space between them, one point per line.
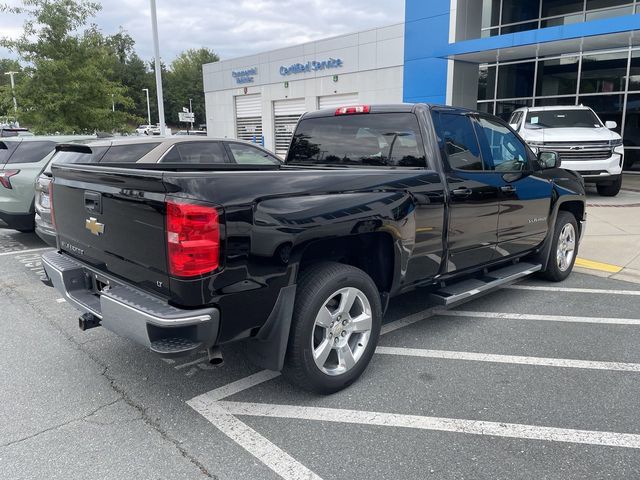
pixel 13 91
pixel 146 90
pixel 113 104
pixel 156 48
pixel 191 111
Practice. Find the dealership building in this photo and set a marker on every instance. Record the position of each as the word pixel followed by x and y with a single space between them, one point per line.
pixel 490 55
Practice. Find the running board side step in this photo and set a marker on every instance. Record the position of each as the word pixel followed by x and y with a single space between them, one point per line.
pixel 464 289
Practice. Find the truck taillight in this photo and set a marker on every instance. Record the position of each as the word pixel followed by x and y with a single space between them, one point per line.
pixel 5 177
pixel 193 239
pixel 53 218
pixel 354 110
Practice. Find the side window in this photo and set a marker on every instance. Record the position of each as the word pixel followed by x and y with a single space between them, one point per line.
pixel 247 155
pixel 458 141
pixel 196 152
pixel 501 148
pixel 127 153
pixel 32 152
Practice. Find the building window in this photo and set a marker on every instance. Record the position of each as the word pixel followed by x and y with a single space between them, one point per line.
pixel 552 8
pixel 555 101
pixel 516 80
pixel 603 73
pixel 608 107
pixel 634 72
pixel 514 11
pixel 558 76
pixel 485 107
pixel 486 83
pixel 500 17
pixel 506 108
pixel 598 9
pixel 632 122
pixel 490 13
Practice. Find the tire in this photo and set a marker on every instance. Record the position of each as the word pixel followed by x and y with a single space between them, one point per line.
pixel 610 189
pixel 558 269
pixel 323 327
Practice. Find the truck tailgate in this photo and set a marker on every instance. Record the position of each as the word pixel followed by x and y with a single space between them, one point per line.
pixel 114 221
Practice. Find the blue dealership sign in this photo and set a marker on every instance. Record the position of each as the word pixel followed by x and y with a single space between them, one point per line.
pixel 313 66
pixel 245 76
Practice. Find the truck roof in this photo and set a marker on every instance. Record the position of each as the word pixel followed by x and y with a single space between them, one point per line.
pixel 388 108
pixel 555 107
pixel 133 140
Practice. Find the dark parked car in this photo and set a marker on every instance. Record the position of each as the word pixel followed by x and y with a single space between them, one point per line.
pixel 300 259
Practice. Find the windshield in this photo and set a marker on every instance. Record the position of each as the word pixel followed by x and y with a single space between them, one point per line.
pixel 383 139
pixel 562 119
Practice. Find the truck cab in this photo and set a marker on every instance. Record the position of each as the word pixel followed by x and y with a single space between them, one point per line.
pixel 585 144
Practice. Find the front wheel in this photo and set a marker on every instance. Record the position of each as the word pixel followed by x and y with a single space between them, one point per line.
pixel 564 248
pixel 335 329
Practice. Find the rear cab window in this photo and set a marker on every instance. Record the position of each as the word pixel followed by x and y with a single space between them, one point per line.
pixel 243 154
pixel 127 153
pixel 196 152
pixel 374 139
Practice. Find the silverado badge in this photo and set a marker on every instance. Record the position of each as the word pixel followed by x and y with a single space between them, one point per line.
pixel 94 226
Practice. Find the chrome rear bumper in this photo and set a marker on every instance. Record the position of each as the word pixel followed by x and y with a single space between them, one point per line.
pixel 130 312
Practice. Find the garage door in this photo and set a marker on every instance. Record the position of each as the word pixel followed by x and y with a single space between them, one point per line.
pixel 286 114
pixel 249 118
pixel 336 101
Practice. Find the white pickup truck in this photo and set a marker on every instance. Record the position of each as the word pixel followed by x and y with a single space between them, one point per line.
pixel 584 143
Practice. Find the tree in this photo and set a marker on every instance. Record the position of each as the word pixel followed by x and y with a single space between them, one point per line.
pixel 130 71
pixel 6 95
pixel 68 83
pixel 184 81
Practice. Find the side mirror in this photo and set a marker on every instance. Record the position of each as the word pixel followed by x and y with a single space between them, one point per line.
pixel 514 126
pixel 549 160
pixel 610 124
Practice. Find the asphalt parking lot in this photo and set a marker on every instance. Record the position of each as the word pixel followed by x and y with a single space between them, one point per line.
pixel 534 381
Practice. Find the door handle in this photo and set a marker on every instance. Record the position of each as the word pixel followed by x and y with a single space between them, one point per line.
pixel 508 189
pixel 462 192
pixel 93 202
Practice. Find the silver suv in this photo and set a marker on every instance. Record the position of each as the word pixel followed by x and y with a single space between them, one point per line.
pixel 21 161
pixel 184 150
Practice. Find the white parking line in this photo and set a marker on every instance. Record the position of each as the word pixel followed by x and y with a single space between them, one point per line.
pixel 514 359
pixel 573 290
pixel 535 317
pixel 60 300
pixel 473 427
pixel 267 452
pixel 16 252
pixel 406 321
pixel 221 413
pixel 235 387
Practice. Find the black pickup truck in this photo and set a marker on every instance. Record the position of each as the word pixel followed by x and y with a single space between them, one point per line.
pixel 299 259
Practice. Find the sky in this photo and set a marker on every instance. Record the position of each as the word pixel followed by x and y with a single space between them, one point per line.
pixel 232 28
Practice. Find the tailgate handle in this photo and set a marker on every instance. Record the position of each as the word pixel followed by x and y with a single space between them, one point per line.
pixel 93 202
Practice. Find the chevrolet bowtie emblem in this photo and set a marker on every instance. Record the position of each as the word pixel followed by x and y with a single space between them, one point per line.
pixel 94 226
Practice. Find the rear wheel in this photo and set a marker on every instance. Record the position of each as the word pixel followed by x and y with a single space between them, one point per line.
pixel 564 248
pixel 335 328
pixel 610 189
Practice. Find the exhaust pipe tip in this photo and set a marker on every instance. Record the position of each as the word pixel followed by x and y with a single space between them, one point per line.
pixel 215 356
